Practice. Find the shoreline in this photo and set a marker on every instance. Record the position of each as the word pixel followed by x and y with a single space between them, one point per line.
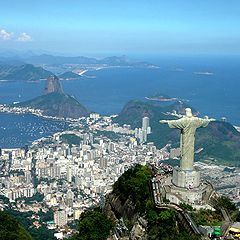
pixel 34 112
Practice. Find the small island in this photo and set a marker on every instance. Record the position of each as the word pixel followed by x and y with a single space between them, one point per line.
pixel 203 73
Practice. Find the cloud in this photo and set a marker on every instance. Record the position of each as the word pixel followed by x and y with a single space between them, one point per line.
pixel 24 37
pixel 4 35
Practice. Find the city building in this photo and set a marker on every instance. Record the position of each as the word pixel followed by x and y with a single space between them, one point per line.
pixel 60 218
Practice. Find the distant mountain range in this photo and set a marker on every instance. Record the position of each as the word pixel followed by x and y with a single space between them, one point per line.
pixel 18 71
pixel 31 67
pixel 51 59
pixel 220 140
pixel 110 61
pixel 22 72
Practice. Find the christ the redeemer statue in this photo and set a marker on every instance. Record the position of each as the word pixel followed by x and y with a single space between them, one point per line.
pixel 188 125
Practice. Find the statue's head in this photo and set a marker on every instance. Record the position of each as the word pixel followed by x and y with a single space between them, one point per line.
pixel 188 112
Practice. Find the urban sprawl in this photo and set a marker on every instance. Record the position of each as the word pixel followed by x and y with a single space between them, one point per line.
pixel 73 170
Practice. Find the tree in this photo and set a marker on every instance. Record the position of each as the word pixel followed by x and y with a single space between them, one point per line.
pixel 226 203
pixel 186 206
pixel 93 225
pixel 10 229
pixel 134 183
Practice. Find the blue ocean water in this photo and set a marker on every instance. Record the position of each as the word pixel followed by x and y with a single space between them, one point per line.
pixel 19 130
pixel 215 94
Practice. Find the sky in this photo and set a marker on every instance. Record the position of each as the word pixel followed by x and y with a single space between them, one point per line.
pixel 125 26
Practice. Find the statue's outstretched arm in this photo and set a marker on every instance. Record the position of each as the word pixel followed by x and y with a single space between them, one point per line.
pixel 203 122
pixel 211 119
pixel 174 123
pixel 163 121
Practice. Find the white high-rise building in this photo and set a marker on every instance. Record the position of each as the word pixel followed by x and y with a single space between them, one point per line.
pixel 69 173
pixel 103 163
pixel 136 132
pixel 146 129
pixel 60 218
pixel 145 123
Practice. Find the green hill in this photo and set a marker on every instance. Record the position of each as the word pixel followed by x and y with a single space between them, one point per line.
pixel 135 110
pixel 24 72
pixel 220 140
pixel 69 75
pixel 129 213
pixel 57 105
pixel 131 203
pixel 10 229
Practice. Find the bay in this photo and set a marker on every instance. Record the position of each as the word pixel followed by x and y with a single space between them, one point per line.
pixel 21 130
pixel 209 84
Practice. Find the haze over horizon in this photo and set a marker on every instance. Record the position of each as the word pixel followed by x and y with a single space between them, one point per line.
pixel 123 27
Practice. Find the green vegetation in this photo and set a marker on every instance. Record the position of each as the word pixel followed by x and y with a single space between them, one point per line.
pixel 38 197
pixel 221 141
pixel 111 135
pixel 46 216
pixel 93 225
pixel 71 139
pixel 17 172
pixel 215 218
pixel 42 233
pixel 162 224
pixel 4 199
pixel 10 229
pixel 225 203
pixel 134 183
pixel 25 219
pixel 207 217
pixel 186 206
pixel 57 105
pixel 25 72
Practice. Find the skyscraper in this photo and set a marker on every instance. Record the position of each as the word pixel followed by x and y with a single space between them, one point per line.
pixel 141 133
pixel 145 129
pixel 145 123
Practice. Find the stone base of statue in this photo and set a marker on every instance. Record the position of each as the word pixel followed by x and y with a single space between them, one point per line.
pixel 186 178
pixel 185 186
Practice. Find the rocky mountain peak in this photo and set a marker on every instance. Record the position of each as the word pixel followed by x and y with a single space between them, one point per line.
pixel 53 85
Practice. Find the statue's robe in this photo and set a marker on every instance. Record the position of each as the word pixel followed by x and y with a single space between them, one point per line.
pixel 188 126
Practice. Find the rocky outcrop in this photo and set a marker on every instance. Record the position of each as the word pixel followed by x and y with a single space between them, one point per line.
pixel 139 231
pixel 115 207
pixel 128 224
pixel 53 85
pixel 55 102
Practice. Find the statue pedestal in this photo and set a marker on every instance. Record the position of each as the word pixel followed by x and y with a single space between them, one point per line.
pixel 188 179
pixel 199 196
pixel 185 186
